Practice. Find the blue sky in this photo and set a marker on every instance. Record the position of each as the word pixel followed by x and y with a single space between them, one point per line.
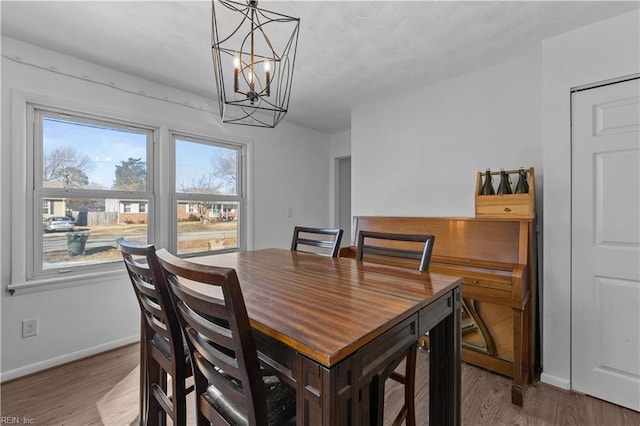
pixel 109 147
pixel 193 160
pixel 105 147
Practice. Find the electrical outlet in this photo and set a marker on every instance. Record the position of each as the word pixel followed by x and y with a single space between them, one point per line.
pixel 29 327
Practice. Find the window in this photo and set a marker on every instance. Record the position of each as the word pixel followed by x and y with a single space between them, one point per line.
pixel 209 195
pixel 84 168
pixel 91 179
pixel 47 207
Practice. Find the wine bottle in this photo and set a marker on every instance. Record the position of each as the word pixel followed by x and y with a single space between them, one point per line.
pixel 487 187
pixel 505 185
pixel 522 187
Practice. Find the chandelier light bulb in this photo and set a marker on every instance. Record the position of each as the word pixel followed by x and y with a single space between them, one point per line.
pixel 267 76
pixel 236 70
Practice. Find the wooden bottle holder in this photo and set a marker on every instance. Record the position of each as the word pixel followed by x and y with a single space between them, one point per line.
pixel 512 206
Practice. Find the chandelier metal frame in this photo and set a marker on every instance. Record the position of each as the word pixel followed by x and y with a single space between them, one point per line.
pixel 260 67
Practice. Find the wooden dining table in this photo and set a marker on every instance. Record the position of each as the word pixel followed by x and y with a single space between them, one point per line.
pixel 329 325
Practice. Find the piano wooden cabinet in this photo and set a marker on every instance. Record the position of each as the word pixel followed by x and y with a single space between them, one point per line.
pixel 497 260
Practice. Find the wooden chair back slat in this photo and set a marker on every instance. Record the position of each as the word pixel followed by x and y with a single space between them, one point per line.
pixel 382 245
pixel 311 237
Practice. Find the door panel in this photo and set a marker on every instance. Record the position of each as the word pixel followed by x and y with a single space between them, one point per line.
pixel 606 243
pixel 617 222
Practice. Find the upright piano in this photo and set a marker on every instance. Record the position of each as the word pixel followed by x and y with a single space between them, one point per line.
pixel 497 260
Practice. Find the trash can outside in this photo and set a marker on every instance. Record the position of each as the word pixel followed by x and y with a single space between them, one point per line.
pixel 76 242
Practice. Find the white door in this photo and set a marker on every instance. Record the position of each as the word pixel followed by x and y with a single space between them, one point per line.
pixel 606 243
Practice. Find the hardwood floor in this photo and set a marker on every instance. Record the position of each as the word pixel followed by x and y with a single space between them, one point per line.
pixel 104 390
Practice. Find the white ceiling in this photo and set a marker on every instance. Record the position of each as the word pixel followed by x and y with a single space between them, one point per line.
pixel 348 52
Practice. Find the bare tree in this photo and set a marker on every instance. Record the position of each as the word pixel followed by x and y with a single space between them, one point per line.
pixel 222 179
pixel 225 170
pixel 203 184
pixel 66 165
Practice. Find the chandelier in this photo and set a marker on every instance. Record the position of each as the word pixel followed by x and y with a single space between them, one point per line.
pixel 254 51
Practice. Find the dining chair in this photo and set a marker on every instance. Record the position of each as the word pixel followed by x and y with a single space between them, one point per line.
pixel 324 240
pixel 380 246
pixel 162 349
pixel 421 252
pixel 231 386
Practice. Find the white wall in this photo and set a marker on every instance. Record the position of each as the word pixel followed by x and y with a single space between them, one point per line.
pixel 291 172
pixel 290 168
pixel 340 144
pixel 417 154
pixel 591 54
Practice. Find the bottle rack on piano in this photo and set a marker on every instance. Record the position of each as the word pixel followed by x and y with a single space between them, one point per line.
pixel 512 206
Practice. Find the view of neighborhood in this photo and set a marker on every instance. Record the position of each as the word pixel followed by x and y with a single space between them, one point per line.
pixel 100 244
pixel 94 194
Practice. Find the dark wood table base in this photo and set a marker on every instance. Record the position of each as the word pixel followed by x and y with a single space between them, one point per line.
pixel 343 394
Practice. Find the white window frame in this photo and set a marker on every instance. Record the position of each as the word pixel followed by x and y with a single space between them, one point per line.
pixel 21 130
pixel 36 113
pixel 241 186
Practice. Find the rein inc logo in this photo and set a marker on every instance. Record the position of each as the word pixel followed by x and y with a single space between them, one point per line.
pixel 14 420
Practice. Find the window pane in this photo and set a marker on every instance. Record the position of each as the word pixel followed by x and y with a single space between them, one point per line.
pixel 205 168
pixel 83 231
pixel 47 206
pixel 78 155
pixel 207 226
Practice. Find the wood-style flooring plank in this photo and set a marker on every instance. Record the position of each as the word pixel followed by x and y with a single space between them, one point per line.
pixel 99 390
pixel 103 390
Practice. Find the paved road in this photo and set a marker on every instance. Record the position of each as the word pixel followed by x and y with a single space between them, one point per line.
pixel 58 241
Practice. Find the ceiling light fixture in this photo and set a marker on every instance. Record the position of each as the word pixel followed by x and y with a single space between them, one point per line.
pixel 253 70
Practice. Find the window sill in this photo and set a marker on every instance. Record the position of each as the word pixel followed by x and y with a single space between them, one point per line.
pixel 65 281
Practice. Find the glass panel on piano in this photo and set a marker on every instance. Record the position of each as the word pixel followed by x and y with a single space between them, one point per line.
pixel 475 334
pixel 487 328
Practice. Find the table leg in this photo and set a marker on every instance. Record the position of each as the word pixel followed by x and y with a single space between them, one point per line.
pixel 445 368
pixel 143 374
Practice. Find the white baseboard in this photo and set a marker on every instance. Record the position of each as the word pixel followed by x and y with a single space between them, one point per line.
pixel 555 381
pixel 63 359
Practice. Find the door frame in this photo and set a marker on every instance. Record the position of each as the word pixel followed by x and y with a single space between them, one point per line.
pixel 574 90
pixel 337 188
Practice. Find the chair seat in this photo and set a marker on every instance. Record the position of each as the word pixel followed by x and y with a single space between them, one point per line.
pixel 281 404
